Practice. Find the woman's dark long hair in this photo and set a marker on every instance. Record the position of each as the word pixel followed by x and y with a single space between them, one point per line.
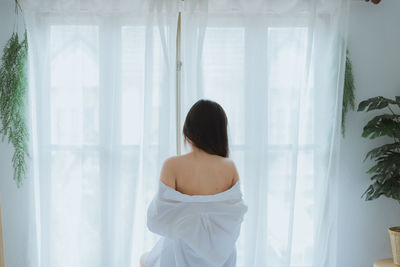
pixel 206 127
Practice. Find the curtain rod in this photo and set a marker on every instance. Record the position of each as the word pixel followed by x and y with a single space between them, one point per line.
pixel 178 81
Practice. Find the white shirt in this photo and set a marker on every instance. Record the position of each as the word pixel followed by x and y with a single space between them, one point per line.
pixel 197 231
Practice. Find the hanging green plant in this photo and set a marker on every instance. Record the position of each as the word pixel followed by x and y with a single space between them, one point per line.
pixel 13 89
pixel 348 91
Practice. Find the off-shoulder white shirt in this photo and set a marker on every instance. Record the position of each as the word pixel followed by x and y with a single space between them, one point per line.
pixel 198 230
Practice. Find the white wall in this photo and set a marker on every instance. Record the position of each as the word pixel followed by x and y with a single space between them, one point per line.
pixel 14 201
pixel 374 43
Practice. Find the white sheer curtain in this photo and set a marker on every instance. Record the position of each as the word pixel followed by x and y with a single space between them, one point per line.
pixel 104 120
pixel 276 67
pixel 102 96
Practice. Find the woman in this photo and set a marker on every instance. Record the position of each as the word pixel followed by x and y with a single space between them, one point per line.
pixel 198 209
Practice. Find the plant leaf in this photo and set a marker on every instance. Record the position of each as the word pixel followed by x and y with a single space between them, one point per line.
pixel 374 103
pixel 348 102
pixel 382 125
pixel 386 167
pixel 13 88
pixel 390 189
pixel 380 151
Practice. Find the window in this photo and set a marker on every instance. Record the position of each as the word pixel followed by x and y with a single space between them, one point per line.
pixel 108 120
pixel 273 125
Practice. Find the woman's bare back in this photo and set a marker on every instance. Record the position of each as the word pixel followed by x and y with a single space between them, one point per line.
pixel 199 173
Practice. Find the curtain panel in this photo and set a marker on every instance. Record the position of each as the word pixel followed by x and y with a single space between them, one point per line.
pixel 103 119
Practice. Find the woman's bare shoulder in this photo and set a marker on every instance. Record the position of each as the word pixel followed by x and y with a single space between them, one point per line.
pixel 171 167
pixel 168 173
pixel 231 166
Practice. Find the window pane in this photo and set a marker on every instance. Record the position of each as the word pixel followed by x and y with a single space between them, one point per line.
pixel 133 68
pixel 74 95
pixel 303 217
pixel 75 208
pixel 286 72
pixel 223 69
pixel 138 59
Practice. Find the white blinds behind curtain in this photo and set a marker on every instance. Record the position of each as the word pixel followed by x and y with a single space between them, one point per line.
pixel 103 120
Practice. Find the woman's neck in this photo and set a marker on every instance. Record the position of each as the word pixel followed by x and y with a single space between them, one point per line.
pixel 195 151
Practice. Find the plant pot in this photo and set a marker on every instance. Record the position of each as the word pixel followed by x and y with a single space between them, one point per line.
pixel 394 233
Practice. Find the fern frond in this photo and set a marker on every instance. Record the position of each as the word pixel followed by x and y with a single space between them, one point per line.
pixel 13 89
pixel 348 91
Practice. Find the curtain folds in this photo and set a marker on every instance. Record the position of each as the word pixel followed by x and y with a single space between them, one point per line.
pixel 103 90
pixel 277 69
pixel 103 119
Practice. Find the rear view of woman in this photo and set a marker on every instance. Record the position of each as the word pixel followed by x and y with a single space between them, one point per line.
pixel 198 209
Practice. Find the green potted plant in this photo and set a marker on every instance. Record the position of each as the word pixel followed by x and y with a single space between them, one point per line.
pixel 385 174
